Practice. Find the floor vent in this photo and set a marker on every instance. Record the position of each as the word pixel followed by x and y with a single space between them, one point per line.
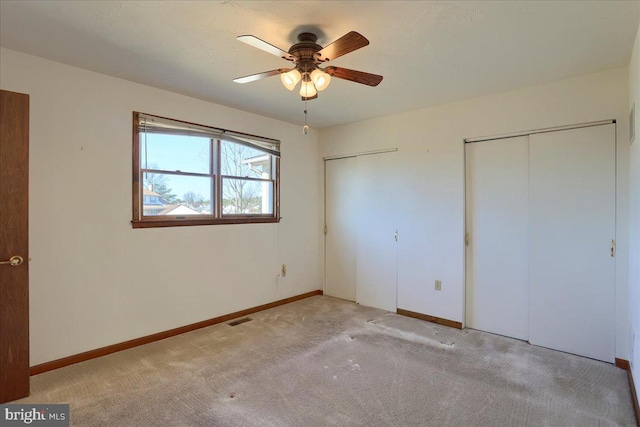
pixel 239 321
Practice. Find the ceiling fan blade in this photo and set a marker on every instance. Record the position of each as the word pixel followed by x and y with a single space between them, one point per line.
pixel 267 47
pixel 354 76
pixel 254 77
pixel 345 44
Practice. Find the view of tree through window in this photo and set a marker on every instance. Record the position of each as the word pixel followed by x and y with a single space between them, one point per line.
pixel 244 189
pixel 194 176
pixel 158 183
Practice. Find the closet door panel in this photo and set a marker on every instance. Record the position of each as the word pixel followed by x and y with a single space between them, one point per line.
pixel 497 220
pixel 572 214
pixel 377 265
pixel 341 220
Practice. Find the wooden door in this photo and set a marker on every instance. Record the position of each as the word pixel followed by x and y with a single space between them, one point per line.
pixel 572 265
pixel 14 251
pixel 497 221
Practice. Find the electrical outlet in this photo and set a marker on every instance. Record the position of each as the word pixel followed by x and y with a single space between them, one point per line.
pixel 438 285
pixel 283 272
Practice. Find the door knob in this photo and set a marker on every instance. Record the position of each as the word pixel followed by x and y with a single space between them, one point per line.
pixel 14 261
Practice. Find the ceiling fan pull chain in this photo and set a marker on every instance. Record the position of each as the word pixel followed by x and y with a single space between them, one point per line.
pixel 305 128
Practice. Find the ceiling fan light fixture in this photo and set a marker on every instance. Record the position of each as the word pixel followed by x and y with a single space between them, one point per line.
pixel 320 79
pixel 307 56
pixel 291 78
pixel 308 90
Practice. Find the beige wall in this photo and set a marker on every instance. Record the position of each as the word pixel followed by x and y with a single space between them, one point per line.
pixel 431 175
pixel 96 281
pixel 634 215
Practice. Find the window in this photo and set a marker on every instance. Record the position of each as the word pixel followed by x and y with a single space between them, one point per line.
pixel 188 174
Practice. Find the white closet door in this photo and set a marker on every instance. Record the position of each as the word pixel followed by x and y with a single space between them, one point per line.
pixel 497 203
pixel 341 219
pixel 572 199
pixel 377 265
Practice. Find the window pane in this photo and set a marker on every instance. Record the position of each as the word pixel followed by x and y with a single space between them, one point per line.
pixel 242 196
pixel 166 194
pixel 240 160
pixel 174 152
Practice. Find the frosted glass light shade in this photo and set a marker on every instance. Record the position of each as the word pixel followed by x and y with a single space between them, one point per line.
pixel 320 79
pixel 290 79
pixel 307 90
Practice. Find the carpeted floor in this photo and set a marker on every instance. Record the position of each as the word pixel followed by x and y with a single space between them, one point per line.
pixel 328 362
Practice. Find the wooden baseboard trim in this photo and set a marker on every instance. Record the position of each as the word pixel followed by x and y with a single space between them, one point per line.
pixel 623 364
pixel 103 351
pixel 432 319
pixel 634 398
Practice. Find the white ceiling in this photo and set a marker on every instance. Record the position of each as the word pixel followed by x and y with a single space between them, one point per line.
pixel 429 52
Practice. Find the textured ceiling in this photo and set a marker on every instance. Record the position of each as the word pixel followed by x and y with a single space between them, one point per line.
pixel 429 53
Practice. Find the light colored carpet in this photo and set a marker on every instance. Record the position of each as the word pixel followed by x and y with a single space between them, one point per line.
pixel 328 362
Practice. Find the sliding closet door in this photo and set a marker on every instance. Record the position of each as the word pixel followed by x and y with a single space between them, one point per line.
pixel 361 255
pixel 572 202
pixel 341 220
pixel 497 201
pixel 377 265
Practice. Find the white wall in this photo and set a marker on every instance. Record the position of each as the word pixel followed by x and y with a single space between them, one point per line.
pixel 96 281
pixel 431 207
pixel 634 216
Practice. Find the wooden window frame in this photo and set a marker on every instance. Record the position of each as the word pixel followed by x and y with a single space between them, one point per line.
pixel 217 217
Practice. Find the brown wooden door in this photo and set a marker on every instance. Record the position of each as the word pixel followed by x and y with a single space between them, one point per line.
pixel 14 273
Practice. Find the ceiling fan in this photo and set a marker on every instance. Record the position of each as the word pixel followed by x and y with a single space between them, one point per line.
pixel 307 56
